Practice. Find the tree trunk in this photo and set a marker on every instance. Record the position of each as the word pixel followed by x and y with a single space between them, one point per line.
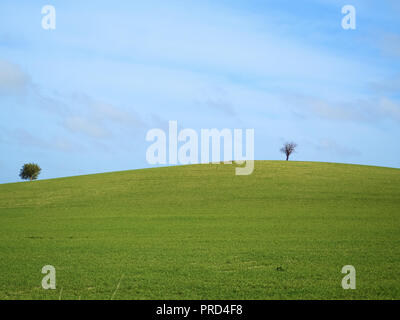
pixel 287 157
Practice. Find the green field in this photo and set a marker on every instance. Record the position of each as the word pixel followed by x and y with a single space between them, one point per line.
pixel 200 232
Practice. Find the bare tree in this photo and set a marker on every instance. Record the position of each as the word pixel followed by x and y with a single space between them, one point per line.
pixel 288 148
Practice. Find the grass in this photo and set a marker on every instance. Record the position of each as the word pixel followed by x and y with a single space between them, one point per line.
pixel 200 232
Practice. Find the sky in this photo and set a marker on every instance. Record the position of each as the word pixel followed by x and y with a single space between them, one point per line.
pixel 80 99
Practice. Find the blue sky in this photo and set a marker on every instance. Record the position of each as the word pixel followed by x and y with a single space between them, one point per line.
pixel 80 99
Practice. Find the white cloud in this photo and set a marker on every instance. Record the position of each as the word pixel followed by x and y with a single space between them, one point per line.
pixel 369 109
pixel 12 79
pixel 26 139
pixel 389 108
pixel 332 146
pixel 79 124
pixel 391 44
pixel 102 110
pixel 99 119
pixel 389 85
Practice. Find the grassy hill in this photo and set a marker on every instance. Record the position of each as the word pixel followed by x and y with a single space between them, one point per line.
pixel 200 232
